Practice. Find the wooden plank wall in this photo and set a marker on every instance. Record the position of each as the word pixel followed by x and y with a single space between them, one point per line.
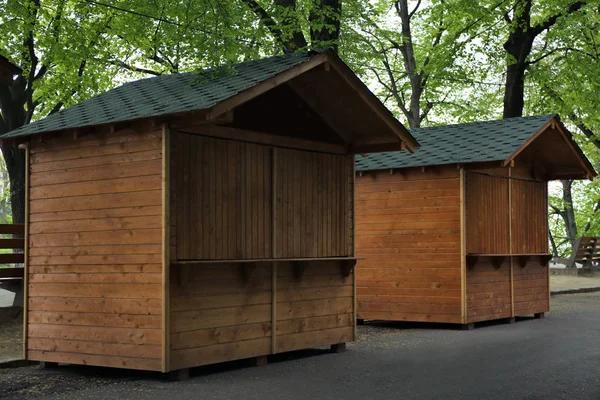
pixel 531 294
pixel 313 195
pixel 315 309
pixel 486 204
pixel 216 316
pixel 488 291
pixel 529 217
pixel 487 208
pixel 225 194
pixel 223 311
pixel 95 250
pixel 223 210
pixel 408 231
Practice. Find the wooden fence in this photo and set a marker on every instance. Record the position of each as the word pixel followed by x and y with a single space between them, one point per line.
pixel 11 278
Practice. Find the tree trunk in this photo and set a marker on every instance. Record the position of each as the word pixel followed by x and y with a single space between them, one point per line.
pixel 15 165
pixel 12 105
pixel 553 244
pixel 514 90
pixel 518 46
pixel 569 213
pixel 326 16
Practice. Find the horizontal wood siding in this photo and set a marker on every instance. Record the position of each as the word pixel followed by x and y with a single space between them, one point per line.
pixel 218 316
pixel 314 309
pixel 488 291
pixel 222 201
pixel 408 231
pixel 95 250
pixel 531 288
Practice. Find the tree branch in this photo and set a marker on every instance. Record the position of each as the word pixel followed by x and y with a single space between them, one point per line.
pixel 288 45
pixel 29 45
pixel 537 29
pixel 415 9
pixel 132 68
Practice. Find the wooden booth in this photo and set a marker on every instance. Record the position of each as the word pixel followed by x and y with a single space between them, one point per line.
pixel 458 232
pixel 192 219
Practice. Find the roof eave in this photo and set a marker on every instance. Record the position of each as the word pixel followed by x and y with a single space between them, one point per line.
pixel 555 122
pixel 264 86
pixel 402 135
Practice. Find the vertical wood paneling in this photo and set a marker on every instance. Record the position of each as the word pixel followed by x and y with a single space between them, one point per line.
pixel 224 201
pixel 223 194
pixel 314 216
pixel 487 214
pixel 529 217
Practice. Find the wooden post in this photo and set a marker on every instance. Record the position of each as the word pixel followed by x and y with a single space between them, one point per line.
pixel 25 147
pixel 354 314
pixel 548 250
pixel 260 361
pixel 468 327
pixel 274 251
pixel 463 249
pixel 338 348
pixel 510 245
pixel 274 309
pixel 166 237
pixel 179 374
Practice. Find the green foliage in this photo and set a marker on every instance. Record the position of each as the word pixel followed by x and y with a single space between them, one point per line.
pixel 445 63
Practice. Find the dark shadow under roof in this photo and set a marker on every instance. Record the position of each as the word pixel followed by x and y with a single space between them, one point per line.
pixel 460 144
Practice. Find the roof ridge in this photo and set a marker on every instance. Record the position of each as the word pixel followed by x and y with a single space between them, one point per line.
pixel 479 141
pixel 163 95
pixel 501 120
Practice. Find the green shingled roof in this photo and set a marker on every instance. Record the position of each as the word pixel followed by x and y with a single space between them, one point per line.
pixel 462 143
pixel 163 95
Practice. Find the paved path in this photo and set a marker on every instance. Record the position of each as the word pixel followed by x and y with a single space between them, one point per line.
pixel 559 282
pixel 565 282
pixel 554 358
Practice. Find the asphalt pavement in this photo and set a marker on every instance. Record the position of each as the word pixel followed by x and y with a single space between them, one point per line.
pixel 553 358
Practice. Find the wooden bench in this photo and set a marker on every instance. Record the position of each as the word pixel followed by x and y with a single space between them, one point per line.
pixel 586 251
pixel 12 278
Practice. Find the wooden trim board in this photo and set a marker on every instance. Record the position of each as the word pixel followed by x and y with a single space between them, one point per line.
pixel 248 136
pixel 354 302
pixel 510 245
pixel 463 249
pixel 166 248
pixel 274 251
pixel 266 85
pixel 26 255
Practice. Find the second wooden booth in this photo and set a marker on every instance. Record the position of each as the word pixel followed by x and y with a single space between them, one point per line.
pixel 458 232
pixel 192 219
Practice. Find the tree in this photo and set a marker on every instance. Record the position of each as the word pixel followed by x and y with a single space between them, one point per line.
pixel 520 44
pixel 71 50
pixel 299 25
